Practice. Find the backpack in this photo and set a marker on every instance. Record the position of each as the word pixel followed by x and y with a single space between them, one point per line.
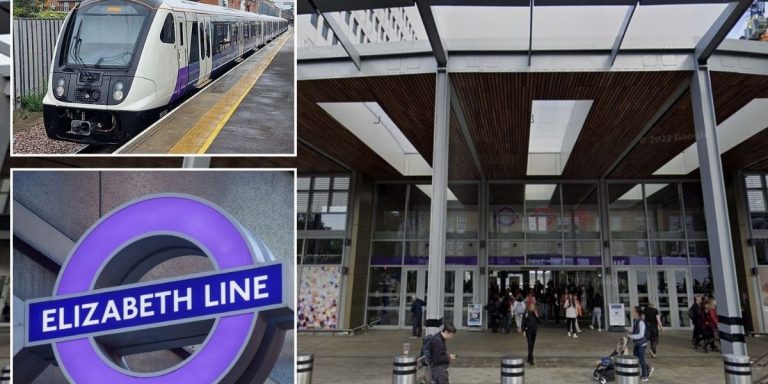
pixel 426 351
pixel 519 308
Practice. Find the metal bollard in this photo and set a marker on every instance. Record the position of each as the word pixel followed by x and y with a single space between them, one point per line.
pixel 627 370
pixel 304 364
pixel 404 370
pixel 738 370
pixel 512 370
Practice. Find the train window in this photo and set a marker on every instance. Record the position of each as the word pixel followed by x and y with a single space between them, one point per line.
pixel 209 34
pixel 167 34
pixel 194 50
pixel 181 34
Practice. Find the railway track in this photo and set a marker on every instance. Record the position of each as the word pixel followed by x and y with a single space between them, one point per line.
pixel 97 149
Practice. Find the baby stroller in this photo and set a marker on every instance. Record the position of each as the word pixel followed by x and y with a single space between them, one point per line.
pixel 606 370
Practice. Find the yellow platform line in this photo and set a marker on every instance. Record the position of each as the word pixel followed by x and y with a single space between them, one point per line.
pixel 200 137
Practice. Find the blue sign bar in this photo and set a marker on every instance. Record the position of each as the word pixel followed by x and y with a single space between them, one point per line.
pixel 148 304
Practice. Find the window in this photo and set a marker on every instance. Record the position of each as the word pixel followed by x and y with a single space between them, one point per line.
pixel 757 203
pixel 313 20
pixel 347 15
pixel 194 50
pixel 325 30
pixel 181 34
pixel 355 27
pixel 167 34
pixel 208 33
pixel 321 206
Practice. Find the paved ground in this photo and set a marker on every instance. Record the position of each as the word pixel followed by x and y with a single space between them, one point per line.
pixel 193 127
pixel 263 123
pixel 368 358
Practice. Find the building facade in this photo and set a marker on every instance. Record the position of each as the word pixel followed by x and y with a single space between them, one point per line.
pixel 361 27
pixel 499 234
pixel 499 151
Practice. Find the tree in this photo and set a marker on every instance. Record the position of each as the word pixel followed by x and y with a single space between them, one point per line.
pixel 27 8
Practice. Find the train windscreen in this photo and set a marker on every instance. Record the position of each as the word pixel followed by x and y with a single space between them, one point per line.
pixel 105 34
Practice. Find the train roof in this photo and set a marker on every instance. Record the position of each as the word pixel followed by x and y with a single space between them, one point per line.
pixel 193 6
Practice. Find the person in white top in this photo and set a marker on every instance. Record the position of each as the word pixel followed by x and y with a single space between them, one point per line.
pixel 518 309
pixel 570 315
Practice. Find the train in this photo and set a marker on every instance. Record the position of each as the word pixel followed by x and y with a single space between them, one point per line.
pixel 119 65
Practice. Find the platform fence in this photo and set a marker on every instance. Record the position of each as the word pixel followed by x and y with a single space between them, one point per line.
pixel 34 42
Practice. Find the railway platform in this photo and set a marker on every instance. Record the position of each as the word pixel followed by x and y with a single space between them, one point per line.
pixel 248 110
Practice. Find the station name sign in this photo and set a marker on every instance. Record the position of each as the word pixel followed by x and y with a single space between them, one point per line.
pixel 151 304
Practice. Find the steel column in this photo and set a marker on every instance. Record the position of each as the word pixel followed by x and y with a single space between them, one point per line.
pixel 716 213
pixel 482 254
pixel 196 162
pixel 437 224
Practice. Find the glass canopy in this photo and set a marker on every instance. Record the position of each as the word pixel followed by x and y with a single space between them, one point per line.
pixel 518 28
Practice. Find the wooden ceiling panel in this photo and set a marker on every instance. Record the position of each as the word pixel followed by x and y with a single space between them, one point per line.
pixel 750 154
pixel 675 131
pixel 623 103
pixel 498 110
pixel 460 163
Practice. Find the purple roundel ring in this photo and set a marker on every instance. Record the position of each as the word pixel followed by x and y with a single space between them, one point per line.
pixel 226 243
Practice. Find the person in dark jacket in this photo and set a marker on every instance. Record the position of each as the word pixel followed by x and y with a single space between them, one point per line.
pixel 417 313
pixel 439 353
pixel 530 326
pixel 653 322
pixel 505 310
pixel 597 311
pixel 640 343
pixel 694 313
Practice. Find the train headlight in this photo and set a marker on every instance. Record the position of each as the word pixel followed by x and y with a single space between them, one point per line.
pixel 60 87
pixel 117 91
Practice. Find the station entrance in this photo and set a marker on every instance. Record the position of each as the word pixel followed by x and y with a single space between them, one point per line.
pixel 543 282
pixel 461 290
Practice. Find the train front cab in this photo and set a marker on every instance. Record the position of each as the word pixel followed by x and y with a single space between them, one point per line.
pixel 97 93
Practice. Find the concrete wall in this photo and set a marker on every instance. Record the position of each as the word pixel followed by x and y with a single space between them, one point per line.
pixel 72 201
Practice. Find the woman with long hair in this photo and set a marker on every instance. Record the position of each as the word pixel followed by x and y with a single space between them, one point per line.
pixel 709 323
pixel 570 315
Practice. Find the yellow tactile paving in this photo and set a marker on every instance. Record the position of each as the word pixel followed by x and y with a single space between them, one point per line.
pixel 201 135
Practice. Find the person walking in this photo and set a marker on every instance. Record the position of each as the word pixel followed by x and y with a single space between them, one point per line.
pixel 417 313
pixel 505 310
pixel 653 322
pixel 570 315
pixel 544 303
pixel 709 325
pixel 493 313
pixel 579 312
pixel 519 310
pixel 439 353
pixel 597 311
pixel 694 313
pixel 530 326
pixel 640 343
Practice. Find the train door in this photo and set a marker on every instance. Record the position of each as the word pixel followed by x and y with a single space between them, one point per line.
pixel 181 50
pixel 240 37
pixel 206 60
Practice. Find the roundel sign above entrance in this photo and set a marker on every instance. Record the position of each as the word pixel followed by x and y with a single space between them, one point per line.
pixel 235 313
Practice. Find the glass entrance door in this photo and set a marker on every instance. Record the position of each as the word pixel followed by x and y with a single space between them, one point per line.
pixel 460 292
pixel 632 290
pixel 415 285
pixel 672 296
pixel 668 288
